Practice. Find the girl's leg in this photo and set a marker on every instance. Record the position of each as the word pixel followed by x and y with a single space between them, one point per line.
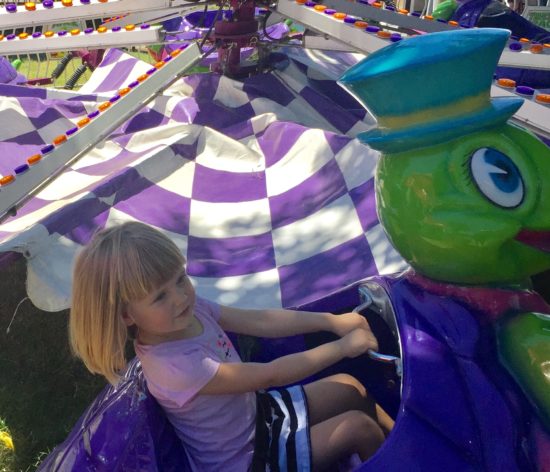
pixel 331 396
pixel 342 436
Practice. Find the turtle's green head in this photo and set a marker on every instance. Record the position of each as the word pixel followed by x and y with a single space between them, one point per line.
pixel 473 210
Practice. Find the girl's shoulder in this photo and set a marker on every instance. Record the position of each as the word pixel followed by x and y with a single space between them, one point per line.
pixel 204 307
pixel 179 371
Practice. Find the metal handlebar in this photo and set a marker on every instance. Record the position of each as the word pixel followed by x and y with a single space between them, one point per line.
pixel 375 355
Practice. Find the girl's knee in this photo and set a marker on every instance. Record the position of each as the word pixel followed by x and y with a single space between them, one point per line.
pixel 347 379
pixel 366 433
pixel 352 432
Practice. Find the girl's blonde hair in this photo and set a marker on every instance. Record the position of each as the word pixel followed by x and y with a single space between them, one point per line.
pixel 119 265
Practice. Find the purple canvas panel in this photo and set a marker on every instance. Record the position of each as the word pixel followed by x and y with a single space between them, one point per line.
pixel 31 137
pixel 80 214
pixel 110 166
pixel 148 118
pixel 267 86
pixel 86 97
pixel 313 194
pixel 311 278
pixel 329 110
pixel 122 185
pixel 156 206
pixel 216 186
pixel 204 86
pixel 363 198
pixel 336 142
pixel 7 90
pixel 20 91
pixel 84 232
pixel 118 76
pixel 185 111
pixel 242 129
pixel 111 57
pixel 277 140
pixel 333 92
pixel 187 151
pixel 14 154
pixel 225 257
pixel 224 119
pixel 43 112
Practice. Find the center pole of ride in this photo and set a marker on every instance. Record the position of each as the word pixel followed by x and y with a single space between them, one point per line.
pixel 237 29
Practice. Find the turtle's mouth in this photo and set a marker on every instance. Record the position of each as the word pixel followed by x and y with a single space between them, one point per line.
pixel 536 239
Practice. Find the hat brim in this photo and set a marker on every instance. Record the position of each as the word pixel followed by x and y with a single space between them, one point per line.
pixel 393 141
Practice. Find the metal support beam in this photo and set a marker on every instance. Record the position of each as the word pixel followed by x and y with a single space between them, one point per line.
pixel 93 40
pixel 58 13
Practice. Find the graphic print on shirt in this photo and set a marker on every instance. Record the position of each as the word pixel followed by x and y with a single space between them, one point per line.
pixel 224 346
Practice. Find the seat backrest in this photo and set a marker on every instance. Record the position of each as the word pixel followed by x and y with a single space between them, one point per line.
pixel 123 429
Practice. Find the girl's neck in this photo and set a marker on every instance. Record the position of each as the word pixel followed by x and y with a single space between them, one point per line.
pixel 195 329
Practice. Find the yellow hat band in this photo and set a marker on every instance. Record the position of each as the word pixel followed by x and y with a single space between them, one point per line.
pixel 462 107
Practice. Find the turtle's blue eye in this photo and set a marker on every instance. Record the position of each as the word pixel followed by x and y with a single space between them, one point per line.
pixel 497 177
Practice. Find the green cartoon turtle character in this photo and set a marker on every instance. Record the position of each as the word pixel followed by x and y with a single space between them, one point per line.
pixel 463 194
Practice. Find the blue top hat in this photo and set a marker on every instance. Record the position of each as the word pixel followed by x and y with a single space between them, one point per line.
pixel 429 89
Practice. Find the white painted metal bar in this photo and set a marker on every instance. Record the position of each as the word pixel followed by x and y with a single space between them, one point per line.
pixel 94 40
pixel 153 16
pixel 525 60
pixel 13 195
pixel 531 115
pixel 60 14
pixel 407 21
pixel 325 24
pixel 157 16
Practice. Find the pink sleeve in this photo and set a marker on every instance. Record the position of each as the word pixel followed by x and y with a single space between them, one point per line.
pixel 178 378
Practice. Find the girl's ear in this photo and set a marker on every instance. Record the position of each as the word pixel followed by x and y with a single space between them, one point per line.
pixel 127 318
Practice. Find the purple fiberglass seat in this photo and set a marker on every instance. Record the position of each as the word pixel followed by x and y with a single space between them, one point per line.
pixel 123 429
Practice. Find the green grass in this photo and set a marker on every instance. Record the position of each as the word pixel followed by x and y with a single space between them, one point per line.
pixel 6 449
pixel 43 389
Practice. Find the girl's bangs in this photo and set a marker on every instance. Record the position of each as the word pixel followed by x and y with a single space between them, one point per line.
pixel 146 268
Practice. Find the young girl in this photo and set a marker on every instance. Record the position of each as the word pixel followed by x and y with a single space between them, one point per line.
pixel 132 278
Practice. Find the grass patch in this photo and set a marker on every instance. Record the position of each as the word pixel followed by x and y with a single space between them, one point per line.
pixel 43 389
pixel 6 448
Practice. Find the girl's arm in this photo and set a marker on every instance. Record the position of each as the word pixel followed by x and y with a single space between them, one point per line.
pixel 275 323
pixel 251 376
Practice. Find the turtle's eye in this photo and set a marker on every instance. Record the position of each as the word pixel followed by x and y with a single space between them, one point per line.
pixel 497 177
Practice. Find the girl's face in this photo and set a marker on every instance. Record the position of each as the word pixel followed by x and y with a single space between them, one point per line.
pixel 167 313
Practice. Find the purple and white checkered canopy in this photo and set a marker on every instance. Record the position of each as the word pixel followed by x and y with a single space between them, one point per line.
pixel 260 182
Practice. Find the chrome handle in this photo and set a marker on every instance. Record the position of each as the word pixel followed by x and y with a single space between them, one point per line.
pixel 375 355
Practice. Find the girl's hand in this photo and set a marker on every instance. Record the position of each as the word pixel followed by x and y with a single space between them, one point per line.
pixel 344 324
pixel 357 342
